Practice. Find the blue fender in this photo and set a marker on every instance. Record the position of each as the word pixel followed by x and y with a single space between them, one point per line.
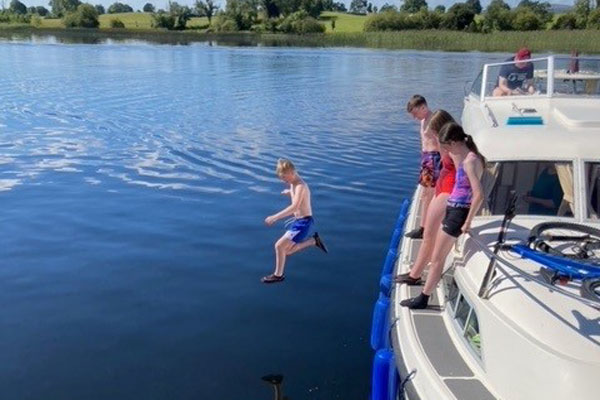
pixel 384 380
pixel 379 324
pixel 390 261
pixel 402 215
pixel 396 236
pixel 385 285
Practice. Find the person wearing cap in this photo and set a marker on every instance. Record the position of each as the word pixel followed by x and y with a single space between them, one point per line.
pixel 517 78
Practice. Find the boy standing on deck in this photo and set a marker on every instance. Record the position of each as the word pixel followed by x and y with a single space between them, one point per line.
pixel 299 226
pixel 430 158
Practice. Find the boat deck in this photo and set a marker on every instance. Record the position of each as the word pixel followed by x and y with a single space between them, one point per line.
pixel 437 353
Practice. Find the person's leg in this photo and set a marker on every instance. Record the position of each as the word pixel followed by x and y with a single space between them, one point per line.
pixel 435 215
pixel 301 246
pixel 443 245
pixel 426 197
pixel 497 92
pixel 427 179
pixel 282 247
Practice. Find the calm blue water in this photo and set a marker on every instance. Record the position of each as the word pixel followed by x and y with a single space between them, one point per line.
pixel 134 181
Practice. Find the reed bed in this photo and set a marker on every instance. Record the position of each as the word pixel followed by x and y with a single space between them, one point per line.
pixel 586 41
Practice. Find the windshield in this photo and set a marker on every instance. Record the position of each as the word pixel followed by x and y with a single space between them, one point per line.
pixel 570 76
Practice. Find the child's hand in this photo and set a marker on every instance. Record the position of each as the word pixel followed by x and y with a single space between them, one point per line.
pixel 466 227
pixel 285 192
pixel 270 220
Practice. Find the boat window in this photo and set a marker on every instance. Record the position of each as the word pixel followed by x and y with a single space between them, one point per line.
pixel 472 333
pixel 542 187
pixel 462 311
pixel 592 180
pixel 451 291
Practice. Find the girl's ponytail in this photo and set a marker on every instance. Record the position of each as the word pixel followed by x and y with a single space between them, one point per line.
pixel 473 147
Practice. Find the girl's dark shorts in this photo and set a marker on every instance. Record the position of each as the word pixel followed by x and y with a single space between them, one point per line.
pixel 454 220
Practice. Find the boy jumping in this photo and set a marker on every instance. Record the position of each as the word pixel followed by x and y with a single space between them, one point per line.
pixel 430 158
pixel 299 226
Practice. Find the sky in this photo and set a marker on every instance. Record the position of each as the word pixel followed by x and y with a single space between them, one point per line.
pixel 138 4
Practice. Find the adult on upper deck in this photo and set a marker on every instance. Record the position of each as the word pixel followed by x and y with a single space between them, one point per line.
pixel 516 79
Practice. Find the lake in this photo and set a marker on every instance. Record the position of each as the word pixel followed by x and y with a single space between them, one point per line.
pixel 134 182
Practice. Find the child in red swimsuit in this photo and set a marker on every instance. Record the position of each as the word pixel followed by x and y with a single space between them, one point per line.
pixel 437 207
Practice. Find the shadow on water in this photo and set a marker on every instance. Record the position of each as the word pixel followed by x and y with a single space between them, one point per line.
pixel 276 382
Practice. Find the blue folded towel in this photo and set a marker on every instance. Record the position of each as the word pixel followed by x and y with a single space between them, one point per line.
pixel 530 120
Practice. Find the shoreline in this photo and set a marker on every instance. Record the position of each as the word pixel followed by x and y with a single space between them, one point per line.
pixel 586 41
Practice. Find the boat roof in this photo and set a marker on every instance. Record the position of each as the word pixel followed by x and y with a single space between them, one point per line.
pixel 561 121
pixel 570 128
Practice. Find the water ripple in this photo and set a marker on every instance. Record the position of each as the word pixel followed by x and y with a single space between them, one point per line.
pixel 134 182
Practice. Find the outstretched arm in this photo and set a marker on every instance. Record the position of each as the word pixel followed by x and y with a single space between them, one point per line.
pixel 291 209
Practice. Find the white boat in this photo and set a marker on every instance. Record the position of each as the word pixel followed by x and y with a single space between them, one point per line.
pixel 528 333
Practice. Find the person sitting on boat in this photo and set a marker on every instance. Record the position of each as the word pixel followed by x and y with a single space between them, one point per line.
pixel 462 205
pixel 437 207
pixel 546 195
pixel 430 158
pixel 516 78
pixel 299 226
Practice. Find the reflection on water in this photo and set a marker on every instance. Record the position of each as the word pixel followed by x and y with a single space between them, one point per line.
pixel 87 36
pixel 134 181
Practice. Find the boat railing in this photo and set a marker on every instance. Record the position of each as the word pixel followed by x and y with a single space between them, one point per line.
pixel 552 76
pixel 499 259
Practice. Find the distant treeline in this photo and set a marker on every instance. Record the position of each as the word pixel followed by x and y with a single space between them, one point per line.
pixel 528 15
pixel 300 16
pixel 288 16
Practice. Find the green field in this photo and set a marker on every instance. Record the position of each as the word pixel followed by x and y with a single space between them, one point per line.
pixel 131 20
pixel 344 23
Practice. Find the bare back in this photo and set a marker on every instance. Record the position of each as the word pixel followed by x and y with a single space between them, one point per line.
pixel 429 140
pixel 301 190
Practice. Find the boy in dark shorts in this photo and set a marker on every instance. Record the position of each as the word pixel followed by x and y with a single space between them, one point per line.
pixel 298 227
pixel 430 158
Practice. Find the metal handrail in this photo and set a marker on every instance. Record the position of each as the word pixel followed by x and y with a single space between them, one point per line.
pixel 491 255
pixel 492 116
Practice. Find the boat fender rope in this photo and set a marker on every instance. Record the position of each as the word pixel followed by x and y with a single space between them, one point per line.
pixel 407 379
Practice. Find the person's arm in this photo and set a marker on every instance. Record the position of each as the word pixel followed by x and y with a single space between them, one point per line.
pixel 529 80
pixel 473 170
pixel 529 86
pixel 546 203
pixel 503 86
pixel 291 209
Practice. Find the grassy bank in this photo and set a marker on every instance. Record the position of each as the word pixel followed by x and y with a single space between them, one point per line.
pixel 586 41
